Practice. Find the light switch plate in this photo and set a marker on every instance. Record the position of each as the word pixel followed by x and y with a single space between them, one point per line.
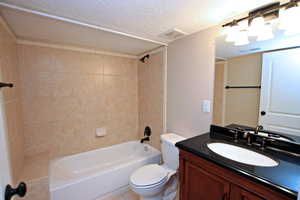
pixel 206 106
pixel 100 132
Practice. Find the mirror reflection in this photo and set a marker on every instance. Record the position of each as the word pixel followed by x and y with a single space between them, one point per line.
pixel 257 82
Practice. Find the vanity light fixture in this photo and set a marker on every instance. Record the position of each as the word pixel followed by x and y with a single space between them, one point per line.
pixel 256 26
pixel 258 23
pixel 232 31
pixel 289 17
pixel 241 38
pixel 242 34
pixel 266 33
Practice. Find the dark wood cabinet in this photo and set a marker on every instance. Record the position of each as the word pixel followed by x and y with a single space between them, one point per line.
pixel 204 180
pixel 238 193
pixel 199 182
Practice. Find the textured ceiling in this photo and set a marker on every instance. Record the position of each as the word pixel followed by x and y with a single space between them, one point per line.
pixel 148 19
pixel 145 18
pixel 32 27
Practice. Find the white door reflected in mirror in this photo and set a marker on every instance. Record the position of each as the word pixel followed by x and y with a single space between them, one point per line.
pixel 259 84
pixel 280 92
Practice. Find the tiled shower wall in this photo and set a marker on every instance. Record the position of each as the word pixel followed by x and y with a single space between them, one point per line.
pixel 67 94
pixel 151 93
pixel 10 99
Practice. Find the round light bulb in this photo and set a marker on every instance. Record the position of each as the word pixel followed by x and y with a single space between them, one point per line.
pixel 241 38
pixel 266 33
pixel 289 19
pixel 256 25
pixel 243 25
pixel 231 35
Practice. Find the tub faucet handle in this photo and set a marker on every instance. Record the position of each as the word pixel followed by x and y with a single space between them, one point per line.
pixel 145 139
pixel 147 133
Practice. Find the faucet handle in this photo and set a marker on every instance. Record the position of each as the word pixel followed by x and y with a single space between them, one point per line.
pixel 249 139
pixel 263 142
pixel 258 128
pixel 235 134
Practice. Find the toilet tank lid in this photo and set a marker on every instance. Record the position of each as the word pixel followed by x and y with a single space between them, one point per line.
pixel 171 138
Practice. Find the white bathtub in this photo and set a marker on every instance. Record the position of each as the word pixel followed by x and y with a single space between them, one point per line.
pixel 98 173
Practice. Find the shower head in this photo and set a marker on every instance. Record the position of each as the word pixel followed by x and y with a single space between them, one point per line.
pixel 143 59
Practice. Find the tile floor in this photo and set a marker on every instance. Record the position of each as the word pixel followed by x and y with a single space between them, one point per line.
pixel 129 195
pixel 125 196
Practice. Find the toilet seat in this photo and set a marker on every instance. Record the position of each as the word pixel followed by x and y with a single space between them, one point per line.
pixel 149 176
pixel 149 186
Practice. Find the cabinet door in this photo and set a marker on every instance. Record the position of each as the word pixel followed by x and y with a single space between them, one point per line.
pixel 201 185
pixel 237 193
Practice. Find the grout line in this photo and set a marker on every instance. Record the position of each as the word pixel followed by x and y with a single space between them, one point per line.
pixel 124 75
pixel 10 101
pixel 165 88
pixel 72 48
pixel 7 28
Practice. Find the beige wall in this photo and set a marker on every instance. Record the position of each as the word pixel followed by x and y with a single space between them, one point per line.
pixel 242 105
pixel 219 91
pixel 190 80
pixel 10 99
pixel 151 91
pixel 66 95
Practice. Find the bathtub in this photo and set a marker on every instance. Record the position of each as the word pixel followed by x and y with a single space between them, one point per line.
pixel 98 173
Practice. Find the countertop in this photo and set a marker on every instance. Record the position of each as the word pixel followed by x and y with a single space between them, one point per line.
pixel 284 178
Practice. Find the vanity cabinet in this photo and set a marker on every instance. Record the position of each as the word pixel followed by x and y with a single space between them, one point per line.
pixel 204 180
pixel 198 185
pixel 238 193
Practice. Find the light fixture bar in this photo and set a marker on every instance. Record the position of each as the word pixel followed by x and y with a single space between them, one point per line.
pixel 265 11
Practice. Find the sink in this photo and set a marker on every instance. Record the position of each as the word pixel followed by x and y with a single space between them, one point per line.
pixel 241 155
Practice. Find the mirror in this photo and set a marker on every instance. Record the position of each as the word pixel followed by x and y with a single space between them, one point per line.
pixel 259 83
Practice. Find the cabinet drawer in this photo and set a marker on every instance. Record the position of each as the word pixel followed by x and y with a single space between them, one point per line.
pixel 237 193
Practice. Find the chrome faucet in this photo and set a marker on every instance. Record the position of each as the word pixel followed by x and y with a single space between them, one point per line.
pixel 258 128
pixel 264 141
pixel 249 139
pixel 250 136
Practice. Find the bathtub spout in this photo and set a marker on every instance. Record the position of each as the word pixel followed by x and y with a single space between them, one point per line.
pixel 145 139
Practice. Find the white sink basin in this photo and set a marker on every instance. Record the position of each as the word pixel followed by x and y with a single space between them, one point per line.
pixel 242 155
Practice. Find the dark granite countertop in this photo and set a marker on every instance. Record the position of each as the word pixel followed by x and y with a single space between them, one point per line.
pixel 284 178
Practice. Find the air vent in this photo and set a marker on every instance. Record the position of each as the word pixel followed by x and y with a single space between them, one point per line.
pixel 173 34
pixel 250 50
pixel 255 49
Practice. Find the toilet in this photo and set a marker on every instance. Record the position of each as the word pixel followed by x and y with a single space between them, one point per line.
pixel 157 182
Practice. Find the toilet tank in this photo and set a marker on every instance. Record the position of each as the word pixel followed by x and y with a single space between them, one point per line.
pixel 170 152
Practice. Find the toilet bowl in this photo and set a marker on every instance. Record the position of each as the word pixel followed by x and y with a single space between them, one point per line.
pixel 151 181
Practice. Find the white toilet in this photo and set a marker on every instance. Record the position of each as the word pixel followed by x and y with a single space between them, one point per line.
pixel 153 181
